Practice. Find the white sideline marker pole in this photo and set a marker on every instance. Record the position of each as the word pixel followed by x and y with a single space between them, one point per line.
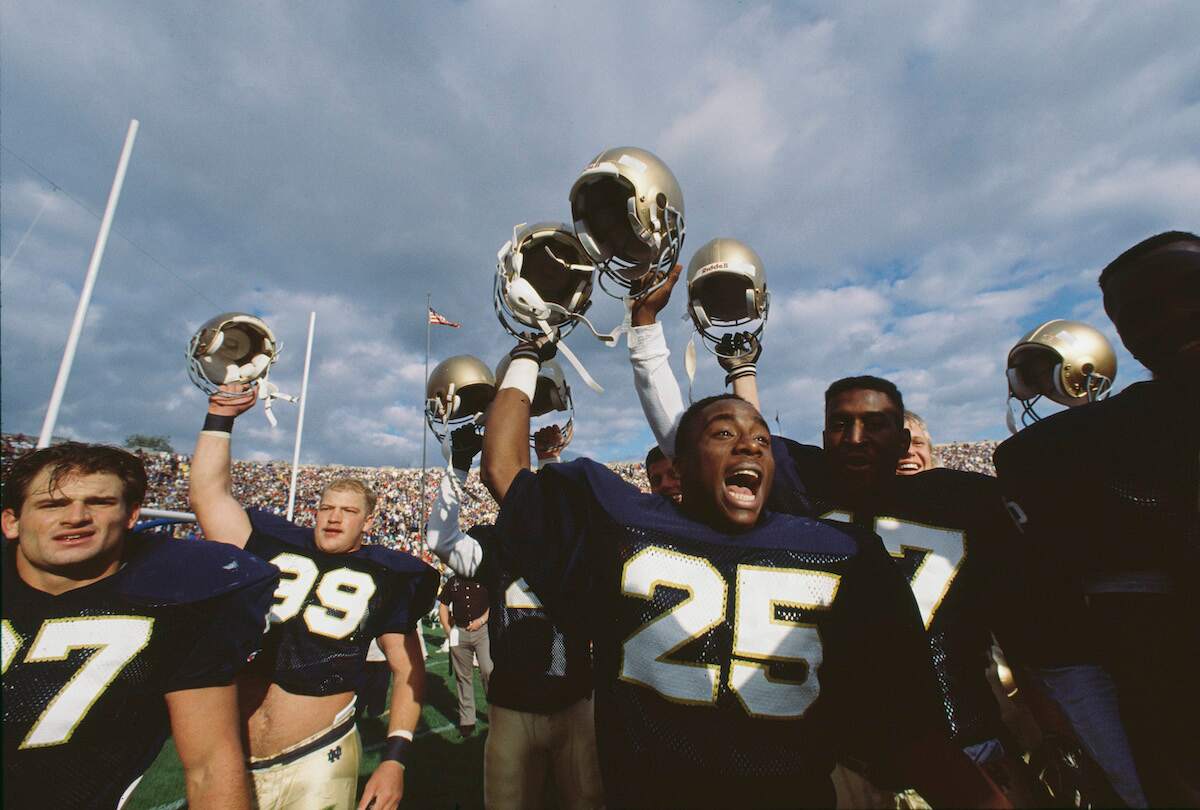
pixel 312 324
pixel 85 297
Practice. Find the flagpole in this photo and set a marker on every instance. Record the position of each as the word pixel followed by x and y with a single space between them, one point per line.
pixel 424 433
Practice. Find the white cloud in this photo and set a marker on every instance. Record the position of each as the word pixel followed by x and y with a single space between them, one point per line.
pixel 925 182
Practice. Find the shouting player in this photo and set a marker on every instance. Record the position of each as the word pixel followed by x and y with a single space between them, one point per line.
pixel 541 719
pixel 334 597
pixel 1109 496
pixel 927 521
pixel 736 651
pixel 111 639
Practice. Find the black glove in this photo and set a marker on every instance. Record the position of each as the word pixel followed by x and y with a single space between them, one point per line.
pixel 539 350
pixel 465 444
pixel 738 354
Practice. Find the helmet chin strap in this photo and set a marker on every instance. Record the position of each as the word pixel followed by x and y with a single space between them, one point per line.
pixel 268 392
pixel 552 334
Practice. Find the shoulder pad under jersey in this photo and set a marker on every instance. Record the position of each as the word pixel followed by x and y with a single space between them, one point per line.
pixel 626 505
pixel 281 528
pixel 178 572
pixel 954 497
pixel 401 562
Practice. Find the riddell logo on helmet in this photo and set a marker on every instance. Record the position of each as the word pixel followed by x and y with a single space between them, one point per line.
pixel 708 268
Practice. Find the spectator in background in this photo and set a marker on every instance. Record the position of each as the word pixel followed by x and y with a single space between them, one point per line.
pixel 464 607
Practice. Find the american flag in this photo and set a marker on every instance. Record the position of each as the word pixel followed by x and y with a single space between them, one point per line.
pixel 441 320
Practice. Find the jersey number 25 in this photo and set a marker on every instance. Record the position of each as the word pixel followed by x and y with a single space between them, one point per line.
pixel 760 637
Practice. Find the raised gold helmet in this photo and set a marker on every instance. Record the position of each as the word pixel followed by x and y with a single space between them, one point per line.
pixel 628 212
pixel 458 391
pixel 727 288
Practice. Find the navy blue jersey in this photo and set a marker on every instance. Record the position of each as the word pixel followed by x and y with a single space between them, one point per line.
pixel 328 607
pixel 954 542
pixel 729 669
pixel 85 671
pixel 1111 491
pixel 539 666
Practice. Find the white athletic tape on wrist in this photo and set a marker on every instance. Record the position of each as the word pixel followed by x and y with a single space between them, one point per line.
pixel 522 374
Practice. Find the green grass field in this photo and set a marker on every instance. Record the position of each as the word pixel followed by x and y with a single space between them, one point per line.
pixel 445 772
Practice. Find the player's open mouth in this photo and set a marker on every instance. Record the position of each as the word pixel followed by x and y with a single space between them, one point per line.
pixel 74 537
pixel 909 466
pixel 741 486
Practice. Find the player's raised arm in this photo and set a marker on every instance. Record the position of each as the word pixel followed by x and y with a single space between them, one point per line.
pixel 506 439
pixel 446 539
pixel 656 386
pixel 211 485
pixel 740 361
pixel 386 786
pixel 205 727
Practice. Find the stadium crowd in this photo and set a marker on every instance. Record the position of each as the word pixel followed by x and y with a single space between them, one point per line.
pixel 264 484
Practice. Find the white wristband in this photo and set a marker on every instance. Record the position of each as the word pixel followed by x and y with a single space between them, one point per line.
pixel 522 374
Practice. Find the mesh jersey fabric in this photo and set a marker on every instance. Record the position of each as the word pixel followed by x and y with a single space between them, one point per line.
pixel 329 607
pixel 85 671
pixel 955 544
pixel 708 689
pixel 538 665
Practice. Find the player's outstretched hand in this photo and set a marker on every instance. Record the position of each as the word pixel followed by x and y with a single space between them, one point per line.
pixel 548 441
pixel 645 309
pixel 234 399
pixel 385 788
pixel 465 444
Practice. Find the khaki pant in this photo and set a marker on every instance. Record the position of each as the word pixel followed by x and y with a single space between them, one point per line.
pixel 521 746
pixel 326 777
pixel 471 644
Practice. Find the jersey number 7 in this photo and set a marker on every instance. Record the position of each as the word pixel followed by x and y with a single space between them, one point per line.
pixel 115 641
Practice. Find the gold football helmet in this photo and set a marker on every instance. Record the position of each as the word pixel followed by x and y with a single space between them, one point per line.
pixel 458 391
pixel 727 288
pixel 544 286
pixel 628 212
pixel 235 347
pixel 1067 362
pixel 544 276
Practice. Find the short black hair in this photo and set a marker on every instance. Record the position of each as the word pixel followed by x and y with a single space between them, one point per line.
pixel 75 457
pixel 687 422
pixel 866 382
pixel 1129 258
pixel 654 455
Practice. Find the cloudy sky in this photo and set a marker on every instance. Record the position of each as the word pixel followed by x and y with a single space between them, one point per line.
pixel 924 181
